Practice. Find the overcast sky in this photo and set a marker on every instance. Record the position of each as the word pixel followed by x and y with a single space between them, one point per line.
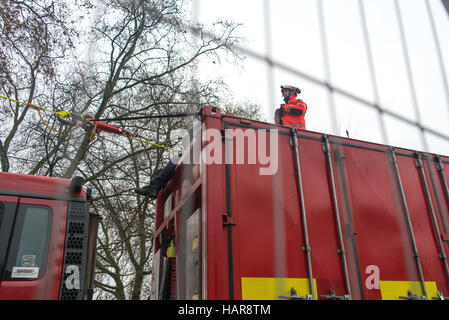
pixel 294 39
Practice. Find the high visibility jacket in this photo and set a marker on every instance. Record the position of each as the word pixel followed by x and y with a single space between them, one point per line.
pixel 292 114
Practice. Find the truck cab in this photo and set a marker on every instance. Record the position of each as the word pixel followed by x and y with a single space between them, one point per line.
pixel 47 238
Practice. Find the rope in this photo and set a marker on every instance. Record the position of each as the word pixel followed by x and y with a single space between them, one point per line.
pixel 94 133
pixel 65 114
pixel 28 104
pixel 144 140
pixel 175 115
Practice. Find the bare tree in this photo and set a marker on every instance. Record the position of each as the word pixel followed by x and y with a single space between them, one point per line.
pixel 144 65
pixel 146 47
pixel 34 38
pixel 244 109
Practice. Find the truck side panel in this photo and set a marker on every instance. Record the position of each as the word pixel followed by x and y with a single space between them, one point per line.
pixel 422 212
pixel 269 241
pixel 381 263
pixel 357 221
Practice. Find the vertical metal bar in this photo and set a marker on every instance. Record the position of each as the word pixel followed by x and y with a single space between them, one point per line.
pixel 446 5
pixel 327 71
pixel 196 5
pixel 229 213
pixel 436 229
pixel 278 224
pixel 409 73
pixel 350 226
pixel 440 55
pixel 443 177
pixel 409 222
pixel 341 250
pixel 306 248
pixel 268 55
pixel 372 72
pixel 436 194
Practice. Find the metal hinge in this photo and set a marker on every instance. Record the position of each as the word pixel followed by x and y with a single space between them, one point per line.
pixel 338 155
pixel 223 134
pixel 332 296
pixel 326 144
pixel 306 249
pixel 439 164
pixel 418 161
pixel 326 147
pixel 411 296
pixel 392 156
pixel 227 220
pixel 294 296
pixel 440 296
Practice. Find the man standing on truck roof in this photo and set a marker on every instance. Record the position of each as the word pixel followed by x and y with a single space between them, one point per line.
pixel 292 113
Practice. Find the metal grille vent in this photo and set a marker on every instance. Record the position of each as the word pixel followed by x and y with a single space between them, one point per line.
pixel 75 252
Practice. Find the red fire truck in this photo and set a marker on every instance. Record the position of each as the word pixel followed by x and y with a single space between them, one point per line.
pixel 47 235
pixel 47 238
pixel 259 211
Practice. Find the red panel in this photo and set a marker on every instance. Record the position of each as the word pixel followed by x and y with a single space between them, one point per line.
pixel 269 226
pixel 377 219
pixel 441 211
pixel 443 195
pixel 215 237
pixel 36 184
pixel 422 223
pixel 326 262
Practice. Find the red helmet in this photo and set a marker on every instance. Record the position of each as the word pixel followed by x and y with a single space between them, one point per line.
pixel 293 90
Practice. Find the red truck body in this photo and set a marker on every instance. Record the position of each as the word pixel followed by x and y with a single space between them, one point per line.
pixel 338 218
pixel 44 236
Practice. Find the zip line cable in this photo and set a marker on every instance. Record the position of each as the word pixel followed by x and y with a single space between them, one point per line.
pixel 175 115
pixel 85 120
pixel 39 109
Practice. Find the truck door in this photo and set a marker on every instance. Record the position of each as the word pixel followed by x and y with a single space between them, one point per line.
pixel 28 241
pixel 284 235
pixel 8 207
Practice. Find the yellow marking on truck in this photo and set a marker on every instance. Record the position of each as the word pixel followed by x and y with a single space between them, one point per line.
pixel 273 288
pixel 392 290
